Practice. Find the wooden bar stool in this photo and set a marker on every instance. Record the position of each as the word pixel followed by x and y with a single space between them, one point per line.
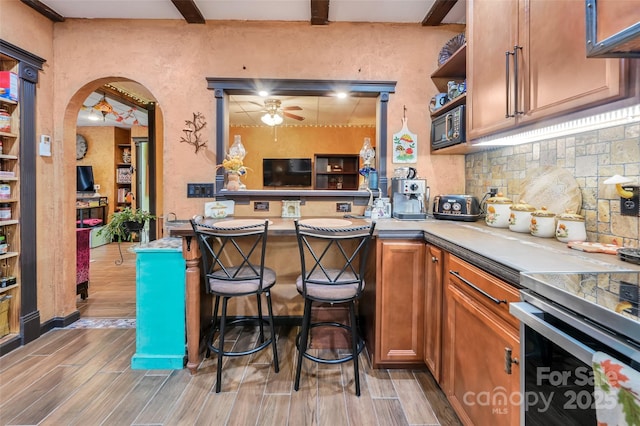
pixel 333 263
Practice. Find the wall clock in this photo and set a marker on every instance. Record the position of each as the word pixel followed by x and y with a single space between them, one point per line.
pixel 81 147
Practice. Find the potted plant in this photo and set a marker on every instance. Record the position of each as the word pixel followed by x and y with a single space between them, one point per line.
pixel 122 223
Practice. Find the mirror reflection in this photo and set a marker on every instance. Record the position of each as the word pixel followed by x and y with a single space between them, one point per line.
pixel 318 132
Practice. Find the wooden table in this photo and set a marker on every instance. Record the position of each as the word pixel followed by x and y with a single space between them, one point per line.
pixel 195 309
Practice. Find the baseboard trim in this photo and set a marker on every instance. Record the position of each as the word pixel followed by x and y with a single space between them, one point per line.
pixel 59 322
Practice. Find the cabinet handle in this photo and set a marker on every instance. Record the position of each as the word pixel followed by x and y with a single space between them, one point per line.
pixel 448 119
pixel 476 288
pixel 434 259
pixel 506 57
pixel 508 360
pixel 515 80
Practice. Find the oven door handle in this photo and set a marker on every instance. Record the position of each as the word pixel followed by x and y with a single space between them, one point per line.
pixel 531 316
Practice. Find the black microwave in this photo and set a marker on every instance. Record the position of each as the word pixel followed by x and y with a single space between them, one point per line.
pixel 449 128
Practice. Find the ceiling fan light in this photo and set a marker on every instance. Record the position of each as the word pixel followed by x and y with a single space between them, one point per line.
pixel 271 119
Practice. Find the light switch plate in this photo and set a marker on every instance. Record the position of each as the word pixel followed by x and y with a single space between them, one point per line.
pixel 44 149
pixel 200 190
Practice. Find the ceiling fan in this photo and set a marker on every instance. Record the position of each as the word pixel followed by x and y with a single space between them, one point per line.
pixel 274 112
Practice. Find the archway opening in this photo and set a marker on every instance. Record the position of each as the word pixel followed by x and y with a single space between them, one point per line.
pixel 115 127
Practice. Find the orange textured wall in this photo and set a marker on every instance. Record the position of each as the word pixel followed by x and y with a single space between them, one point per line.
pixel 173 59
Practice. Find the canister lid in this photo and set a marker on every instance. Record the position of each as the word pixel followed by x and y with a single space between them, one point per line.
pixel 543 212
pixel 499 199
pixel 522 206
pixel 567 215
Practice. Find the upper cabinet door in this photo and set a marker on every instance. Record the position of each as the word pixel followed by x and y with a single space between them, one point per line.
pixel 527 61
pixel 558 75
pixel 492 30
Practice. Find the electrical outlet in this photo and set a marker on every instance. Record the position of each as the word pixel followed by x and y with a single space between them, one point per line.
pixel 343 207
pixel 630 206
pixel 261 206
pixel 629 293
pixel 200 190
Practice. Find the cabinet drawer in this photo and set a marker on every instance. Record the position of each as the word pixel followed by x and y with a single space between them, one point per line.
pixel 486 289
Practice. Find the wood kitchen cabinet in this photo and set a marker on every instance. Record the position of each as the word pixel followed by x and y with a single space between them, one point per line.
pixel 435 263
pixel 481 348
pixel 399 300
pixel 526 61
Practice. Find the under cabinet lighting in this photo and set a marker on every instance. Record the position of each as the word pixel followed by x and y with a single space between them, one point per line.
pixel 595 122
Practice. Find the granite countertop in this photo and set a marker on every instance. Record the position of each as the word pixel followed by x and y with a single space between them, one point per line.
pixel 500 251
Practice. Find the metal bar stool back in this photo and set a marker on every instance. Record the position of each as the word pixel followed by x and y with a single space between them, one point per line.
pixel 233 260
pixel 333 264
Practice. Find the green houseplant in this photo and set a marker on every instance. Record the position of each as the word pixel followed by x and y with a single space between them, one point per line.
pixel 122 223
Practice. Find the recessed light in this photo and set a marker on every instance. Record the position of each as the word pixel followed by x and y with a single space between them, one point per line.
pixel 341 95
pixel 263 93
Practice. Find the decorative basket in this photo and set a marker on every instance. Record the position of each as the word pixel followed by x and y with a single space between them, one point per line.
pixel 4 316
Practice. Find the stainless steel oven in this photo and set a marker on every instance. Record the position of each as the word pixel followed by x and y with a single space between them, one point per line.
pixel 449 128
pixel 559 334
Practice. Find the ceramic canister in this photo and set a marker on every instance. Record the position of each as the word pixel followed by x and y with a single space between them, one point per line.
pixel 498 211
pixel 571 227
pixel 543 223
pixel 520 216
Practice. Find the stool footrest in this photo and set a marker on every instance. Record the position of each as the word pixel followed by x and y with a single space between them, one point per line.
pixel 330 360
pixel 242 321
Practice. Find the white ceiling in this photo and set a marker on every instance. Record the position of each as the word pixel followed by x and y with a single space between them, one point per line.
pixel 407 11
pixel 123 116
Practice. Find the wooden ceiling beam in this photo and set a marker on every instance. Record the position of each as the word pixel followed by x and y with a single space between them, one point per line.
pixel 319 12
pixel 189 11
pixel 44 10
pixel 437 12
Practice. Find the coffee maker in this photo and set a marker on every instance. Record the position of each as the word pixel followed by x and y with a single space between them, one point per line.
pixel 410 197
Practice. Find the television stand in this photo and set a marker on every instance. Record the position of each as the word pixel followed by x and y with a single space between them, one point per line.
pixel 88 208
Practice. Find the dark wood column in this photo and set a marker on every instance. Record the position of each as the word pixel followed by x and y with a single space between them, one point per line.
pixel 28 67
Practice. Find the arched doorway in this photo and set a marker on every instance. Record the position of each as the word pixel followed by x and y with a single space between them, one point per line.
pixel 112 116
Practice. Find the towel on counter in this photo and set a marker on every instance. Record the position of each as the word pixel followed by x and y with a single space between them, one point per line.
pixel 617 391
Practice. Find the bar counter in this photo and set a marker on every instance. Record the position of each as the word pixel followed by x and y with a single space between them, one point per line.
pixel 500 252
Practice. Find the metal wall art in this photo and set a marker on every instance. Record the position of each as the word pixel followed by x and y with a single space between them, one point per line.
pixel 192 131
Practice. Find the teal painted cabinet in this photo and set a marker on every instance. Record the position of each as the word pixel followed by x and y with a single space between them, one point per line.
pixel 160 306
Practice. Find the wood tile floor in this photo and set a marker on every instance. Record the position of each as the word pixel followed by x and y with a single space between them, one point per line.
pixel 112 288
pixel 83 376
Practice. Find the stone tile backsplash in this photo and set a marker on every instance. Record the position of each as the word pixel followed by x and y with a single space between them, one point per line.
pixel 591 157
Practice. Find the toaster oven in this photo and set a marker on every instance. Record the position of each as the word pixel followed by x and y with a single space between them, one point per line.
pixel 457 207
pixel 449 128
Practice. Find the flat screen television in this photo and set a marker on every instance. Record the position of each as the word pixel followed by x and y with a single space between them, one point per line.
pixel 84 179
pixel 286 172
